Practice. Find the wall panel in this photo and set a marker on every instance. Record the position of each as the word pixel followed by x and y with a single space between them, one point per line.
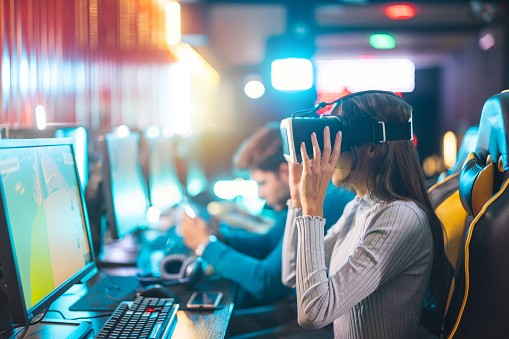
pixel 94 63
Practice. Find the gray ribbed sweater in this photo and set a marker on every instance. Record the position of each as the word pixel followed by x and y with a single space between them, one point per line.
pixel 377 280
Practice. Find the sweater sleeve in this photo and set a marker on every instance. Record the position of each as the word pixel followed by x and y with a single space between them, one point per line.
pixel 255 244
pixel 260 277
pixel 389 246
pixel 290 246
pixel 338 231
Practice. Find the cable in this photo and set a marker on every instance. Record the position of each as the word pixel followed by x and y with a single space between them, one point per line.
pixel 12 328
pixel 25 324
pixel 312 110
pixel 25 330
pixel 81 318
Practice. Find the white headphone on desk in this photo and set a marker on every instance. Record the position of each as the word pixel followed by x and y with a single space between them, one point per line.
pixel 175 269
pixel 180 266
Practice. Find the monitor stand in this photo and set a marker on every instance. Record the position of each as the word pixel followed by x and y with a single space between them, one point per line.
pixel 105 292
pixel 57 329
pixel 121 252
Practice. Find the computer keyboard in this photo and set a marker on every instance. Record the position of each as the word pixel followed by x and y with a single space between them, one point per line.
pixel 145 318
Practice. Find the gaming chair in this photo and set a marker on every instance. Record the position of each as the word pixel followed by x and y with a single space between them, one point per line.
pixel 479 307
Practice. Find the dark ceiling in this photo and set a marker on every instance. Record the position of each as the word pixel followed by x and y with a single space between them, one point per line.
pixel 234 34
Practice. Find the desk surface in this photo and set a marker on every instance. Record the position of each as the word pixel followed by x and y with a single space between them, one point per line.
pixel 190 324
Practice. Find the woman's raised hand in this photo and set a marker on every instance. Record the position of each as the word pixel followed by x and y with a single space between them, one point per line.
pixel 317 172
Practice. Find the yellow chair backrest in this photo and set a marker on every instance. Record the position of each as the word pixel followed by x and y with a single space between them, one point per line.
pixel 479 307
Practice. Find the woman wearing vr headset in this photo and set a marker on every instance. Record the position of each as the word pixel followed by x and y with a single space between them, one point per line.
pixel 383 261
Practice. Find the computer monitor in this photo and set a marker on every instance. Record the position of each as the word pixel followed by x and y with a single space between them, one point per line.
pixel 45 245
pixel 125 189
pixel 80 142
pixel 165 189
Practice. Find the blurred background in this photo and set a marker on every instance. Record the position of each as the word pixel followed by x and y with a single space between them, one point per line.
pixel 207 73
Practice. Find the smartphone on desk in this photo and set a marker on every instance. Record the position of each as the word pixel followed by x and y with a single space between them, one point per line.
pixel 204 300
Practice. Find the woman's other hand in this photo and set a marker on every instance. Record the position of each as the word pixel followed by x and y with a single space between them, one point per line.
pixel 317 173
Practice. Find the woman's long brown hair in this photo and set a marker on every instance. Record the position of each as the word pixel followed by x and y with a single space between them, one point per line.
pixel 397 174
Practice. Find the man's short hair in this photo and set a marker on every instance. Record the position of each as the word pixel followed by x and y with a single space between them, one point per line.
pixel 263 150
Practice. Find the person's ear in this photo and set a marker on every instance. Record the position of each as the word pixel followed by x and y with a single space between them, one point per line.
pixel 372 150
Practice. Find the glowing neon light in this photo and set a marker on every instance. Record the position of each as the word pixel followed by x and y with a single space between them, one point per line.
pixel 229 189
pixel 382 41
pixel 197 182
pixel 46 76
pixel 40 117
pixel 333 76
pixel 153 214
pixel 450 149
pixel 486 42
pixel 153 132
pixel 292 74
pixel 6 75
pixel 24 75
pixel 33 76
pixel 123 131
pixel 173 32
pixel 179 98
pixel 400 12
pixel 254 89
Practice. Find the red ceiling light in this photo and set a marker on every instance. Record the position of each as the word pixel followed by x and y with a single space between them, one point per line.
pixel 400 12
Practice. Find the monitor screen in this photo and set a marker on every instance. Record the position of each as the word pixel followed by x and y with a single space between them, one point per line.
pixel 80 143
pixel 164 186
pixel 124 183
pixel 44 234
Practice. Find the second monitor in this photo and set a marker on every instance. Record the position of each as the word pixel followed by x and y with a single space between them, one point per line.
pixel 126 194
pixel 165 189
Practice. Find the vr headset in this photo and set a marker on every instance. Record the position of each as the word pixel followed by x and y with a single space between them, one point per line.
pixel 296 130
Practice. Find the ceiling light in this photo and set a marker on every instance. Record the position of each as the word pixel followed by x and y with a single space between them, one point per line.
pixel 334 76
pixel 292 74
pixel 40 117
pixel 254 89
pixel 400 12
pixel 123 131
pixel 486 42
pixel 173 32
pixel 450 149
pixel 229 189
pixel 382 41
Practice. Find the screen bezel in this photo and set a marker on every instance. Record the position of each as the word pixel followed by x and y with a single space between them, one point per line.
pixel 11 278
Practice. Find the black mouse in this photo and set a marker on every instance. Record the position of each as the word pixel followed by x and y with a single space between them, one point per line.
pixel 156 291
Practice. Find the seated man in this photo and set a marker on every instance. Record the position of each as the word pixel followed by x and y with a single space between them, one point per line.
pixel 253 260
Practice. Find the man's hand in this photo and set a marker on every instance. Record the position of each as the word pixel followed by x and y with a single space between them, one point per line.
pixel 194 231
